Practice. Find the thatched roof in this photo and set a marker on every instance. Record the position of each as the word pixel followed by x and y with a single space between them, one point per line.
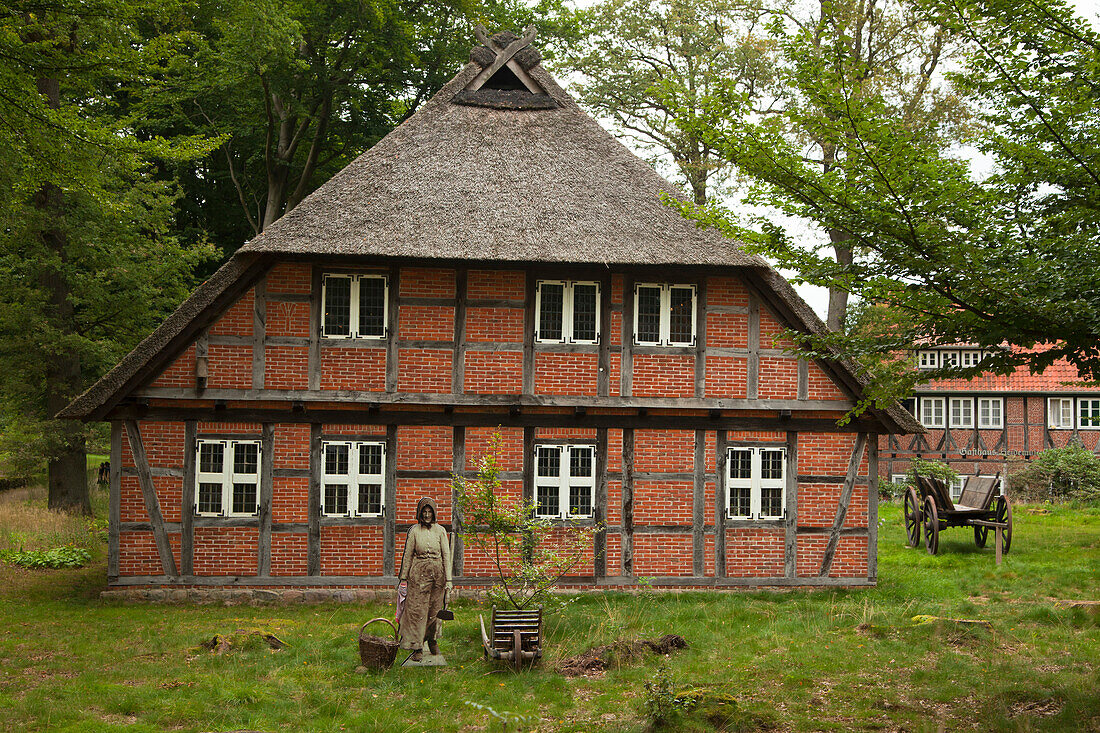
pixel 470 182
pixel 483 176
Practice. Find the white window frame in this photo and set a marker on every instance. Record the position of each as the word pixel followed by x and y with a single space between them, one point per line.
pixel 567 335
pixel 928 359
pixel 949 359
pixel 1092 405
pixel 353 323
pixel 353 478
pixel 988 420
pixel 970 358
pixel 965 418
pixel 226 477
pixel 956 487
pixel 563 481
pixel 928 412
pixel 1060 413
pixel 899 479
pixel 755 483
pixel 665 316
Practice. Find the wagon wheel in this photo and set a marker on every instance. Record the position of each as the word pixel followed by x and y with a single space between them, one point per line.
pixel 1003 513
pixel 931 526
pixel 980 535
pixel 517 649
pixel 911 512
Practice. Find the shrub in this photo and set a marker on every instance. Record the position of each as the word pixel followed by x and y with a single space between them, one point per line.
pixel 56 557
pixel 529 554
pixel 1072 472
pixel 933 469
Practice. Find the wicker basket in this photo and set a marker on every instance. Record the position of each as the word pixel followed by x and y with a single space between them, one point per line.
pixel 376 652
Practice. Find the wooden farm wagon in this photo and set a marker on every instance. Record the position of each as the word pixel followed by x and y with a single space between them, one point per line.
pixel 980 506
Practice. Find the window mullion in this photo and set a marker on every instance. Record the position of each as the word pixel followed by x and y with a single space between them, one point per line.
pixel 665 315
pixel 353 307
pixel 567 312
pixel 228 450
pixel 754 483
pixel 353 478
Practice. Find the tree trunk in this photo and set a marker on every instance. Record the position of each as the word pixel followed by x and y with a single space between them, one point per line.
pixel 67 470
pixel 838 298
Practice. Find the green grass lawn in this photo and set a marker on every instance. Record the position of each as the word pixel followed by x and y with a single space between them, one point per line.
pixel 825 660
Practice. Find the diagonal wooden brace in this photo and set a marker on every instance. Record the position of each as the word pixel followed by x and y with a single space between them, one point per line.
pixel 504 56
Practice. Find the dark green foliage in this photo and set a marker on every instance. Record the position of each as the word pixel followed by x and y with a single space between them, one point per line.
pixel 58 557
pixel 1072 472
pixel 1008 257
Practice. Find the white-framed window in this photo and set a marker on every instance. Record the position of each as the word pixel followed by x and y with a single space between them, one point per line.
pixel 664 315
pixel 928 359
pixel 949 359
pixel 990 412
pixel 228 478
pixel 931 412
pixel 961 410
pixel 567 312
pixel 756 483
pixel 956 487
pixel 899 478
pixel 355 306
pixel 1088 413
pixel 1060 412
pixel 565 480
pixel 352 476
pixel 970 358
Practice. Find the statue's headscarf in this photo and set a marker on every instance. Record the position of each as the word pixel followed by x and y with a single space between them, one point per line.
pixel 427 501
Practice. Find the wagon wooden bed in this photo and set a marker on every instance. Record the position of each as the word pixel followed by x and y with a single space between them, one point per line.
pixel 980 506
pixel 516 635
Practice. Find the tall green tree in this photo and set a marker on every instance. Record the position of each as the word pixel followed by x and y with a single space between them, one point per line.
pixel 1009 256
pixel 296 90
pixel 647 67
pixel 88 261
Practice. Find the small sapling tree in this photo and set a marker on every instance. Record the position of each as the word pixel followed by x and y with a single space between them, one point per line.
pixel 530 553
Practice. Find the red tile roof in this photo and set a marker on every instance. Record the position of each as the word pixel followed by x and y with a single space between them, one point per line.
pixel 1059 377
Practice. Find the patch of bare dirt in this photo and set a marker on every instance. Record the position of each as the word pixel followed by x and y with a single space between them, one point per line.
pixel 596 661
pixel 1036 708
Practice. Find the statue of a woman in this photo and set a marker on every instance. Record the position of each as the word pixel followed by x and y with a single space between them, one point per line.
pixel 426 566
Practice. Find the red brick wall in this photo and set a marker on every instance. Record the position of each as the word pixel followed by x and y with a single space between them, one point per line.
pixel 289 277
pixel 427 282
pixel 662 555
pixel 353 368
pixel 288 554
pixel 494 372
pixel 778 378
pixel 727 376
pixel 287 319
pixel 663 376
pixel 821 386
pixel 495 284
pixel 566 374
pixel 285 367
pixel 226 550
pixel 426 322
pixel 424 370
pixel 179 373
pixel 494 324
pixel 755 553
pixel 229 367
pixel 728 330
pixel 351 551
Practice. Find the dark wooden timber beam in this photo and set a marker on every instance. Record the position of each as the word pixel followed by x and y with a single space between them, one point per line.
pixel 152 504
pixel 721 446
pixel 187 498
pixel 698 504
pixel 842 504
pixel 267 478
pixel 790 522
pixel 313 546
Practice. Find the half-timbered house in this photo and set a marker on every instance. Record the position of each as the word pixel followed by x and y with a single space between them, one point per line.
pixel 993 423
pixel 498 262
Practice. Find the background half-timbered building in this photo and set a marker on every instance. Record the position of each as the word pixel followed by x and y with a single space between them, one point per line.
pixel 992 423
pixel 498 261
